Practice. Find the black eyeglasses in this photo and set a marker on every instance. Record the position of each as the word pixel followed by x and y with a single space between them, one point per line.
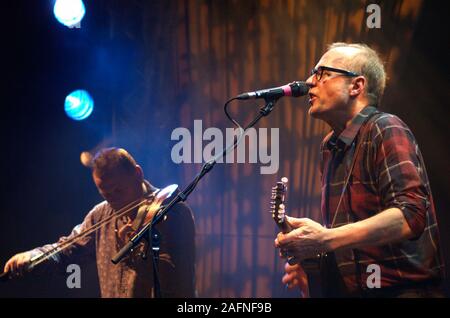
pixel 318 72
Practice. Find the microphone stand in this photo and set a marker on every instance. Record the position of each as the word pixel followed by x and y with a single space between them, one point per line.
pixel 155 240
pixel 146 231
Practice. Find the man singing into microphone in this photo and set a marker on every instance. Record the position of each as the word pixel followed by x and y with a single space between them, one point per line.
pixel 376 199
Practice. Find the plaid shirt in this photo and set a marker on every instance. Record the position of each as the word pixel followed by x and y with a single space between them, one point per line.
pixel 388 172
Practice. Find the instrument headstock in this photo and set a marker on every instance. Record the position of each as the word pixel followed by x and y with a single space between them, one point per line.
pixel 277 204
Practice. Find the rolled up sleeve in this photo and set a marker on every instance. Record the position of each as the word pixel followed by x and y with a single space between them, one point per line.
pixel 400 172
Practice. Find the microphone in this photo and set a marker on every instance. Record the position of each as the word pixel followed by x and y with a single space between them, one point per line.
pixel 294 89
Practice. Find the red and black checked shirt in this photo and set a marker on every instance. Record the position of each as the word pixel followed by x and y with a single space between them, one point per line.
pixel 388 172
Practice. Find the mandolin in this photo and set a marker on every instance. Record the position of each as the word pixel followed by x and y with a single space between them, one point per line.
pixel 310 266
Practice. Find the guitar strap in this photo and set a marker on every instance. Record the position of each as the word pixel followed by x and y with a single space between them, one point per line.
pixel 352 165
pixel 330 261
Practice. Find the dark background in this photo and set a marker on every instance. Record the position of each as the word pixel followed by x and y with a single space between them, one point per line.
pixel 153 66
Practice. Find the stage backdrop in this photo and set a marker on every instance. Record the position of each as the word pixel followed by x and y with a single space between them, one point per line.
pixel 198 54
pixel 158 66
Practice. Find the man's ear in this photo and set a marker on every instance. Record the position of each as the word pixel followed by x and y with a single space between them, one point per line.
pixel 357 86
pixel 139 172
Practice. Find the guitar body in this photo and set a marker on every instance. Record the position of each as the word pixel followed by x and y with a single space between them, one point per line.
pixel 311 266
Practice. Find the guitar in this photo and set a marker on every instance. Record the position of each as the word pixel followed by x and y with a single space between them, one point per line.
pixel 311 266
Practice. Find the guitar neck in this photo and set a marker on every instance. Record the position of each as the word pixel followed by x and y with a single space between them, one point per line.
pixel 284 226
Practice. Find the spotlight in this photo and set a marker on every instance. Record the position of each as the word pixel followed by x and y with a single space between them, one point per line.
pixel 79 105
pixel 69 12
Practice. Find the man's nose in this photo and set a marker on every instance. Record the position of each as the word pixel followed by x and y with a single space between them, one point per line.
pixel 310 81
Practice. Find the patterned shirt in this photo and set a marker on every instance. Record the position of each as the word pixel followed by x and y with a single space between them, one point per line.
pixel 133 276
pixel 388 172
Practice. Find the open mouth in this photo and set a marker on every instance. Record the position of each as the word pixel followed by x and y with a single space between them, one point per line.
pixel 312 98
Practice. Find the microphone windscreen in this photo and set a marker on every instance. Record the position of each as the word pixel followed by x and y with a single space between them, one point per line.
pixel 299 89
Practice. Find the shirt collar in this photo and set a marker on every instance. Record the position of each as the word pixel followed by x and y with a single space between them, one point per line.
pixel 148 187
pixel 348 135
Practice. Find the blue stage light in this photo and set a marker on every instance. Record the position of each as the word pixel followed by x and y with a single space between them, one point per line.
pixel 79 105
pixel 69 12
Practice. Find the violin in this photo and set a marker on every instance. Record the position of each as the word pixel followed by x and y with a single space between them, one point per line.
pixel 148 207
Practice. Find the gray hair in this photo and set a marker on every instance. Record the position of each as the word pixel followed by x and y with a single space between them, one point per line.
pixel 368 64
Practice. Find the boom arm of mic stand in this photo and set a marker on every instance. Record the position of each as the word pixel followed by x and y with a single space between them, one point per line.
pixel 4 277
pixel 183 195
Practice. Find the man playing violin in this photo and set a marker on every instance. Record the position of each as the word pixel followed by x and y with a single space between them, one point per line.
pixel 120 181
